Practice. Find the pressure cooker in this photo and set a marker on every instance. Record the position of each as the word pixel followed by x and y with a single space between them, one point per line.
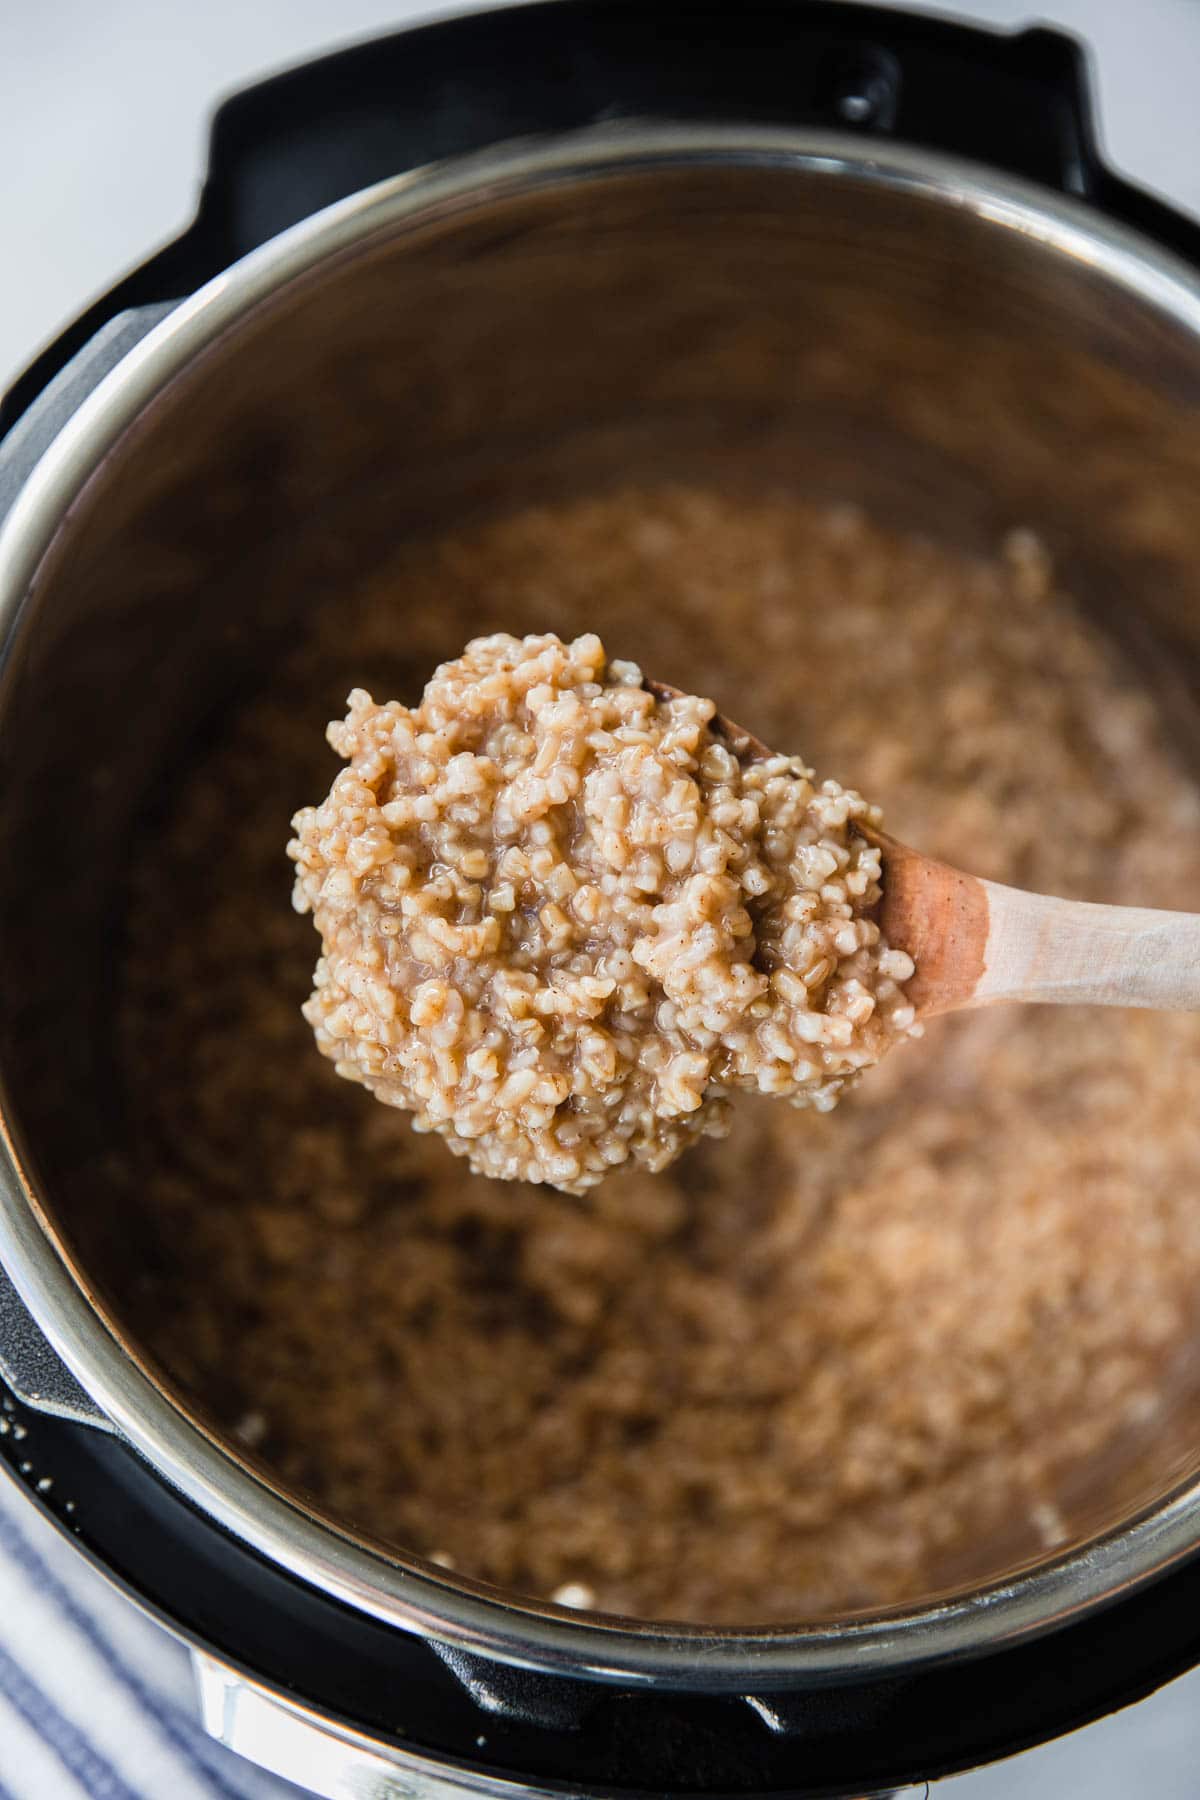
pixel 464 263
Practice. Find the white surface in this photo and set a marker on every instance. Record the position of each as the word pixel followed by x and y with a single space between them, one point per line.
pixel 102 118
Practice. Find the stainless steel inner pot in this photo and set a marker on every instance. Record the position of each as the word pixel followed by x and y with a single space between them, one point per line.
pixel 864 322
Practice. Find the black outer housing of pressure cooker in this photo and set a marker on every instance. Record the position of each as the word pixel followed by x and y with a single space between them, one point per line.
pixel 279 152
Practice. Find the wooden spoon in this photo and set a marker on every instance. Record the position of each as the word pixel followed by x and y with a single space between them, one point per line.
pixel 975 942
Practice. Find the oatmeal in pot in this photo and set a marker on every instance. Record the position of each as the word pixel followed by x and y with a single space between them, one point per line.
pixel 562 923
pixel 827 1361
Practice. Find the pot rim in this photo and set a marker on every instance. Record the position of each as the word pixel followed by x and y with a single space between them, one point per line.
pixel 370 1578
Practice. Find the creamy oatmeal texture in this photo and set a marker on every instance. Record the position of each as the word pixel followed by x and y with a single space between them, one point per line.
pixel 827 1361
pixel 562 923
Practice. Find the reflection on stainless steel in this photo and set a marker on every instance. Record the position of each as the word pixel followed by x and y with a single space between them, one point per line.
pixel 282 1735
pixel 906 331
pixel 291 1740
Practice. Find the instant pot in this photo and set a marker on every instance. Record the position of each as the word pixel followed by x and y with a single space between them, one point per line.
pixel 498 257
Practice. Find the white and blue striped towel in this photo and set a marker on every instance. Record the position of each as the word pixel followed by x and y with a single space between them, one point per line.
pixel 96 1700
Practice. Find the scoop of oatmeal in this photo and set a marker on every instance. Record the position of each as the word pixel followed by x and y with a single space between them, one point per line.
pixel 562 924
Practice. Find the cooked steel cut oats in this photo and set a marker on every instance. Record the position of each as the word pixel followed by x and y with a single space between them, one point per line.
pixel 561 922
pixel 825 1362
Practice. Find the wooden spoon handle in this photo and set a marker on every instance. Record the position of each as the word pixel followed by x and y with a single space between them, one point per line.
pixel 975 942
pixel 1040 948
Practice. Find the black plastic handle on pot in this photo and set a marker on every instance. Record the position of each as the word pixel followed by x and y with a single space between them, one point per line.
pixel 286 147
pixel 308 137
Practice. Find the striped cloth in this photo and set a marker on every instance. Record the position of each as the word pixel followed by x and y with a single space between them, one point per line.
pixel 95 1699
